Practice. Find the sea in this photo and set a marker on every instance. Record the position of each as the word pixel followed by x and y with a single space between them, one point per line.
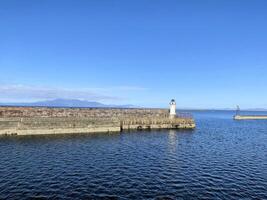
pixel 220 159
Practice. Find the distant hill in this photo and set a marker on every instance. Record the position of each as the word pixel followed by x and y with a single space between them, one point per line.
pixel 68 103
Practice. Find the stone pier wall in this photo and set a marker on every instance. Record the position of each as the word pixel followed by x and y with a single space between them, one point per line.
pixel 80 112
pixel 36 120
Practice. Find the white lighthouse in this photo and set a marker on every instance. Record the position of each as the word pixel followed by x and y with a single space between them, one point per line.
pixel 172 109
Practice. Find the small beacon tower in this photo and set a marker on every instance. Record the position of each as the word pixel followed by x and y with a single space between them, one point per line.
pixel 172 109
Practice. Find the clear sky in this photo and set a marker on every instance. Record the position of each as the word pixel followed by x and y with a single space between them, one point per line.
pixel 205 54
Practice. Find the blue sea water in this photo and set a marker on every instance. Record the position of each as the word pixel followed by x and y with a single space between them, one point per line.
pixel 220 159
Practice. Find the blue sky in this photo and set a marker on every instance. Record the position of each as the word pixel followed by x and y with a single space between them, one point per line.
pixel 205 54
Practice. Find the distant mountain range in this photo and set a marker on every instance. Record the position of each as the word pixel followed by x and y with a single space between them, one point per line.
pixel 75 103
pixel 68 103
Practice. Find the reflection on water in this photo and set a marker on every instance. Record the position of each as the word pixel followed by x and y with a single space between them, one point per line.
pixel 221 159
pixel 173 140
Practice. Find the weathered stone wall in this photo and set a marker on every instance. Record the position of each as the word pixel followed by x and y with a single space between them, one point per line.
pixel 35 120
pixel 80 112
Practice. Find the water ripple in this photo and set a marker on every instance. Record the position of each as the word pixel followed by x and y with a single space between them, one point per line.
pixel 221 159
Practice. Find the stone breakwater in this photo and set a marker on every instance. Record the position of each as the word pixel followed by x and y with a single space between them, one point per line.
pixel 250 117
pixel 40 120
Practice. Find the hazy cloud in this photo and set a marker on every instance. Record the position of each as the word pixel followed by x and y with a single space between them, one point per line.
pixel 118 89
pixel 14 93
pixel 19 93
